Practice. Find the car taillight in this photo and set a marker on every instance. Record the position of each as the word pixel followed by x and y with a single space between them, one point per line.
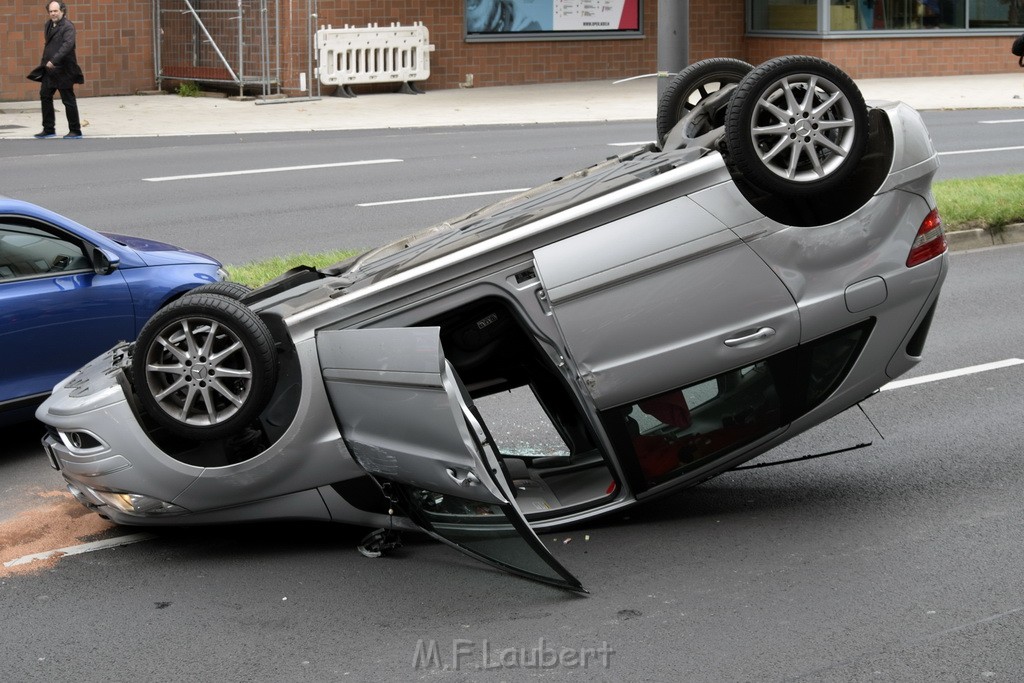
pixel 930 241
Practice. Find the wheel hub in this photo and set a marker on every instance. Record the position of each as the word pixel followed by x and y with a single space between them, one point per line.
pixel 803 128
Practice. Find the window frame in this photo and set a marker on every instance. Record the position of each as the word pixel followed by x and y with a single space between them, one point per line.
pixel 823 29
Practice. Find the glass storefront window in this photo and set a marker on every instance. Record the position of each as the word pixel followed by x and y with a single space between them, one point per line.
pixel 996 13
pixel 884 15
pixel 907 15
pixel 784 15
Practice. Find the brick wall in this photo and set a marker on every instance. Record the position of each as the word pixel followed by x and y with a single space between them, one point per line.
pixel 716 29
pixel 501 63
pixel 923 55
pixel 116 52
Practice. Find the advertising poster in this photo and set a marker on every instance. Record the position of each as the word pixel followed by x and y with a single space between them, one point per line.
pixel 496 17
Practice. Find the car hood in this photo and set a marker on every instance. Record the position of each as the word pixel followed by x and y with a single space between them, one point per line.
pixel 155 253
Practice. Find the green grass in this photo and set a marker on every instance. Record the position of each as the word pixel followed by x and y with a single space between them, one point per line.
pixel 990 202
pixel 188 89
pixel 260 272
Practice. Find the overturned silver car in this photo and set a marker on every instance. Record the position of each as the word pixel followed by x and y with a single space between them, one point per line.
pixel 668 314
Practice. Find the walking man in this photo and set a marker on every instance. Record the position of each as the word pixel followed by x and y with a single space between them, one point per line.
pixel 60 71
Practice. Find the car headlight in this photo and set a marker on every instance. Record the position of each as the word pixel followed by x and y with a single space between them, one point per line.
pixel 138 504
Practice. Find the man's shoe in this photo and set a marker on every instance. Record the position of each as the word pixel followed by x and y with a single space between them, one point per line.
pixel 73 136
pixel 44 135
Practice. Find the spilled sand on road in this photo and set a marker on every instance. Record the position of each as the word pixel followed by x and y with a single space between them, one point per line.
pixel 58 522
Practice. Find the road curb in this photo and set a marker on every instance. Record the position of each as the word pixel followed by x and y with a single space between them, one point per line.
pixel 978 238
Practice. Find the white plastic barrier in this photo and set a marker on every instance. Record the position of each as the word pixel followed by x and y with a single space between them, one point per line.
pixel 355 56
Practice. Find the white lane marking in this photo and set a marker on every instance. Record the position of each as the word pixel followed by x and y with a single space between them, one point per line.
pixel 1003 121
pixel 983 151
pixel 444 196
pixel 83 548
pixel 642 143
pixel 278 169
pixel 974 369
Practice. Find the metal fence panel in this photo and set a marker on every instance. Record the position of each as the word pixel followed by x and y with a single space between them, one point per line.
pixel 230 41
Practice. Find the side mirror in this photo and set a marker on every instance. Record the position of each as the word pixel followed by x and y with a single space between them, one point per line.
pixel 103 262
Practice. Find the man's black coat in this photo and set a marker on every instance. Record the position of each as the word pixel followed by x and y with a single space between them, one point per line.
pixel 60 50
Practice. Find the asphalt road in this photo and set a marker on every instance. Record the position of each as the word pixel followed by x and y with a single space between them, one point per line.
pixel 896 563
pixel 125 185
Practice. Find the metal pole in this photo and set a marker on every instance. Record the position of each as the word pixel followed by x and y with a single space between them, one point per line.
pixel 241 54
pixel 265 48
pixel 157 45
pixel 310 29
pixel 277 44
pixel 673 39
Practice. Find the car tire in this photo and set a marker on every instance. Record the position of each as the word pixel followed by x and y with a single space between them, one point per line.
pixel 796 126
pixel 232 290
pixel 692 85
pixel 204 366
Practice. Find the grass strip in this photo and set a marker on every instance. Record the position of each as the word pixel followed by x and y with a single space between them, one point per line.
pixel 261 272
pixel 989 202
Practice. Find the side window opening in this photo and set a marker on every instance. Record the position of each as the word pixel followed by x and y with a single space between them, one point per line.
pixel 670 435
pixel 31 251
pixel 557 464
pixel 541 440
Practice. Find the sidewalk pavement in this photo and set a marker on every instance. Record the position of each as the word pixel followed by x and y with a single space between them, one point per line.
pixel 161 114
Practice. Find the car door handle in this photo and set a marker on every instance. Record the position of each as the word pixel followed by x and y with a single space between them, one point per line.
pixel 469 479
pixel 762 334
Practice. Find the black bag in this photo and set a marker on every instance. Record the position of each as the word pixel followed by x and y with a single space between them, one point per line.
pixel 1018 49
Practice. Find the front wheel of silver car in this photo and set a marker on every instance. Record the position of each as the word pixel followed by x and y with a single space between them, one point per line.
pixel 204 366
pixel 796 126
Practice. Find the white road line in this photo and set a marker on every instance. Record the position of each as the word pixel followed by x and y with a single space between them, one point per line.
pixel 1003 121
pixel 982 151
pixel 974 369
pixel 83 548
pixel 279 169
pixel 641 143
pixel 444 196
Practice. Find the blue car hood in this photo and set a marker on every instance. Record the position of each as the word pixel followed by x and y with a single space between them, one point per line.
pixel 155 253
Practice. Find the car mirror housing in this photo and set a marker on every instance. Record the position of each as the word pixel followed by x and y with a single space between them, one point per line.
pixel 104 262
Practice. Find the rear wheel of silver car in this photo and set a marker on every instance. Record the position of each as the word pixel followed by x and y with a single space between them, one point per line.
pixel 694 84
pixel 204 366
pixel 796 126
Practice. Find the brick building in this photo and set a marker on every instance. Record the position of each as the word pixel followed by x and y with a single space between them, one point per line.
pixel 119 45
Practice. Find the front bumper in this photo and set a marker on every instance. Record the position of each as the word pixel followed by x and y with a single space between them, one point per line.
pixel 98 441
pixel 95 440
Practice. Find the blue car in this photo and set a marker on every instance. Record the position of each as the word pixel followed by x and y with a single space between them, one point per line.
pixel 67 293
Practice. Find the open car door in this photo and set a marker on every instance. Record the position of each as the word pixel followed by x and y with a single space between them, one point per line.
pixel 410 423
